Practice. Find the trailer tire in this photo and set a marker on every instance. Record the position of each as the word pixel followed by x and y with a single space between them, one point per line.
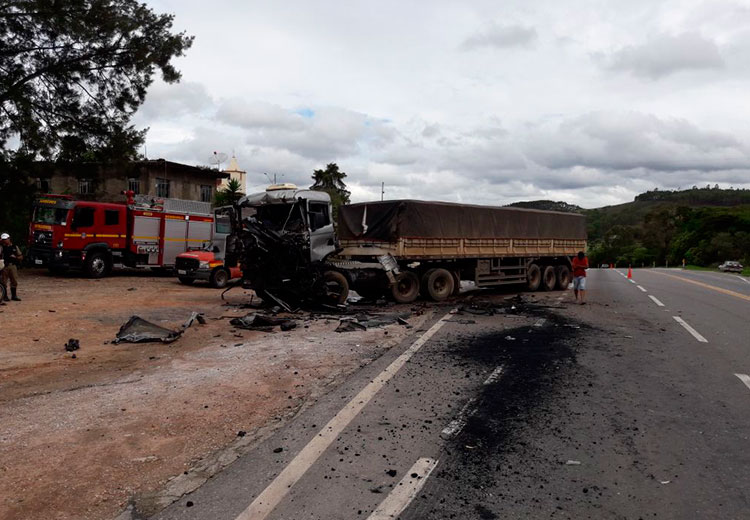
pixel 563 277
pixel 97 265
pixel 549 279
pixel 533 277
pixel 456 282
pixel 438 284
pixel 186 280
pixel 406 288
pixel 219 278
pixel 336 287
pixel 423 283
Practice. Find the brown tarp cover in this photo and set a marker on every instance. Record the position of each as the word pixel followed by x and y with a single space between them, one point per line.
pixel 393 219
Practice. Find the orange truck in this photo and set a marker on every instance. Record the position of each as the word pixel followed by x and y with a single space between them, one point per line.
pixel 96 237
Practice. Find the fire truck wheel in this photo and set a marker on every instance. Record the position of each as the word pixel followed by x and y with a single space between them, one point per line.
pixel 406 288
pixel 219 278
pixel 548 278
pixel 533 277
pixel 186 280
pixel 336 287
pixel 563 277
pixel 96 265
pixel 439 284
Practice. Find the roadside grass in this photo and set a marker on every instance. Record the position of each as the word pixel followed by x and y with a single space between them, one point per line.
pixel 745 270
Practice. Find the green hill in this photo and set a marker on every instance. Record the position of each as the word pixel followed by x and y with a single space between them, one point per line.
pixel 704 226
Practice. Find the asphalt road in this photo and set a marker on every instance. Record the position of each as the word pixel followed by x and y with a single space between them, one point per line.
pixel 526 408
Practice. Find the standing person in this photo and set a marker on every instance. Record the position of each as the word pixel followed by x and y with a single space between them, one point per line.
pixel 580 264
pixel 12 257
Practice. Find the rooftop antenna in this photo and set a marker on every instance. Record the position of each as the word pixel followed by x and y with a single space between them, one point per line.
pixel 217 158
pixel 382 191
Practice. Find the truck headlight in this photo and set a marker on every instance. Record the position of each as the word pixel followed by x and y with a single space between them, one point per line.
pixel 203 264
pixel 59 244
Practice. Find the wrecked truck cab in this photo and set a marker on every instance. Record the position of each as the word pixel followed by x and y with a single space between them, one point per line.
pixel 283 246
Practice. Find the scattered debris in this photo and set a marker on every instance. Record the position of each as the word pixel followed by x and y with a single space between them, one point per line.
pixel 278 450
pixel 573 463
pixel 262 322
pixel 510 338
pixel 241 433
pixel 72 344
pixel 138 330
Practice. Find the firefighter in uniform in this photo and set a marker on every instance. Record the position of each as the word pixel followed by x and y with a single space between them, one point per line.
pixel 12 257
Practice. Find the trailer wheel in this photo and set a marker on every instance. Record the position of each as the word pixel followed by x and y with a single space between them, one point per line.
pixel 533 277
pixel 219 278
pixel 423 283
pixel 563 277
pixel 186 280
pixel 549 280
pixel 406 288
pixel 456 282
pixel 439 284
pixel 336 287
pixel 96 265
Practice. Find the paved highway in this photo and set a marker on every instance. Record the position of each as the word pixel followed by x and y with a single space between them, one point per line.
pixel 632 406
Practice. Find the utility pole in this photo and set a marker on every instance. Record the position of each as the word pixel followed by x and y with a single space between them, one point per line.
pixel 382 191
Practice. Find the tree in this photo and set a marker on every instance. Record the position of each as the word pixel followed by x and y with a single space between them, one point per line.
pixel 228 195
pixel 72 74
pixel 331 180
pixel 75 71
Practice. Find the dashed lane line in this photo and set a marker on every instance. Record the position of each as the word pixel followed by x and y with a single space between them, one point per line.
pixel 456 425
pixel 742 278
pixel 656 300
pixel 282 484
pixel 641 288
pixel 405 491
pixel 690 329
pixel 744 378
pixel 494 376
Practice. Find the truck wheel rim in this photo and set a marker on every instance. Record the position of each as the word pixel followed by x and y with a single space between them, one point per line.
pixel 97 265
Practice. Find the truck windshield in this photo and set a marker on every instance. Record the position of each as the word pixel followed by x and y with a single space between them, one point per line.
pixel 43 215
pixel 286 217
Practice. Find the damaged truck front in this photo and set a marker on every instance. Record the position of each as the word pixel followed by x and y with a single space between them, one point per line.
pixel 282 240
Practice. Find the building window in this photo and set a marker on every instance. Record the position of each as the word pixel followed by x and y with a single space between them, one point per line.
pixel 134 185
pixel 85 187
pixel 42 185
pixel 207 193
pixel 162 188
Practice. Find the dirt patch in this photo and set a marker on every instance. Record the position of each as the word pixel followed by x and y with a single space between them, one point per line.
pixel 80 436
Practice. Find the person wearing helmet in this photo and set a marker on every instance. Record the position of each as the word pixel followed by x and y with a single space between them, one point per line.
pixel 12 257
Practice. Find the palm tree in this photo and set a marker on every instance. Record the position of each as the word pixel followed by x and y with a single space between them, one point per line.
pixel 331 180
pixel 228 195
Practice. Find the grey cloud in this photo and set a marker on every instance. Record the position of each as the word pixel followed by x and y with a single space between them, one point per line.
pixel 175 100
pixel 665 55
pixel 632 140
pixel 501 36
pixel 259 115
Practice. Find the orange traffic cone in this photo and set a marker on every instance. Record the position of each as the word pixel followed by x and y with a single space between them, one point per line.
pixel 630 272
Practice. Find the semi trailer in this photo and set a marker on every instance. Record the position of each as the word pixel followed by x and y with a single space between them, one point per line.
pixel 289 250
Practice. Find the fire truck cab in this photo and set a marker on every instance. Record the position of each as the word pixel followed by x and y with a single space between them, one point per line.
pixel 98 236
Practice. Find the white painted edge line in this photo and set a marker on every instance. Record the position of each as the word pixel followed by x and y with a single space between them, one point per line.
pixel 656 301
pixel 744 378
pixel 280 486
pixel 540 322
pixel 690 329
pixel 405 491
pixel 456 425
pixel 494 376
pixel 641 288
pixel 742 278
pixel 631 280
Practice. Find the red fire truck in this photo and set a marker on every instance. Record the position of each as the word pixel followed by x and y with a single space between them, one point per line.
pixel 98 236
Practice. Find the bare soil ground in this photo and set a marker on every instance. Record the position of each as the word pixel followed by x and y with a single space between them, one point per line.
pixel 81 437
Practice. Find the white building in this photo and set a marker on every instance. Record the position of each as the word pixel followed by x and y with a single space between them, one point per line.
pixel 234 173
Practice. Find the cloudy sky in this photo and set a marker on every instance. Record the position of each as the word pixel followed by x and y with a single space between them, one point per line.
pixel 475 101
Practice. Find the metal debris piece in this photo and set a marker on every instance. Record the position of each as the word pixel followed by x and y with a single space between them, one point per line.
pixel 138 330
pixel 72 344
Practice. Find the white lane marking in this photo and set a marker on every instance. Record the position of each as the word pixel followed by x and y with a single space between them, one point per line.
pixel 744 378
pixel 456 425
pixel 278 489
pixel 631 280
pixel 494 376
pixel 405 491
pixel 641 288
pixel 742 278
pixel 540 322
pixel 690 329
pixel 656 301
